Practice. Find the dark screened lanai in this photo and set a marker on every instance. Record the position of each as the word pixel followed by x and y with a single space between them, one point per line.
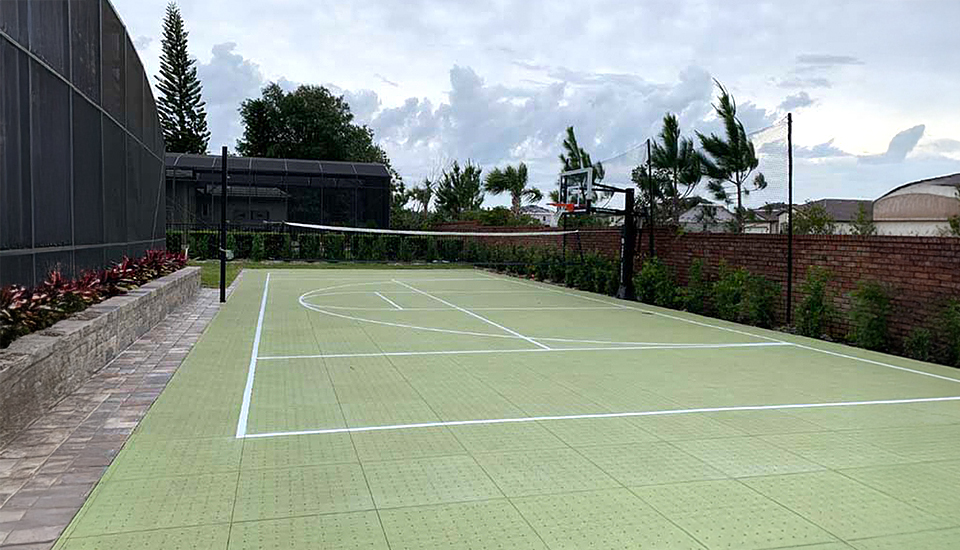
pixel 260 190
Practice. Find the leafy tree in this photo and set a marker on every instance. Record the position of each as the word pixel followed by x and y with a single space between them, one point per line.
pixel 307 123
pixel 863 224
pixel 183 118
pixel 423 194
pixel 677 157
pixel 513 181
pixel 459 190
pixel 813 219
pixel 729 161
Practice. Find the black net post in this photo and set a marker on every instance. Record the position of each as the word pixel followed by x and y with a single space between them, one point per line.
pixel 223 225
pixel 628 238
pixel 789 217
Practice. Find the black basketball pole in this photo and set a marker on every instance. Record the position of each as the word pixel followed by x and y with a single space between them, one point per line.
pixel 223 226
pixel 628 238
pixel 789 217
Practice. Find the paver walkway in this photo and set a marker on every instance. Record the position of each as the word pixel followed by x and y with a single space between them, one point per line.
pixel 48 470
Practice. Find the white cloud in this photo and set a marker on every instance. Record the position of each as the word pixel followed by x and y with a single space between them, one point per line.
pixel 798 100
pixel 900 146
pixel 227 79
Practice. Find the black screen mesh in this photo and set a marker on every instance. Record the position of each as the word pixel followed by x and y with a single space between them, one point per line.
pixel 85 47
pixel 80 170
pixel 115 182
pixel 112 62
pixel 49 34
pixel 49 152
pixel 16 215
pixel 87 173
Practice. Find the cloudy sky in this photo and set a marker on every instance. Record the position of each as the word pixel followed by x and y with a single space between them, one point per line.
pixel 874 85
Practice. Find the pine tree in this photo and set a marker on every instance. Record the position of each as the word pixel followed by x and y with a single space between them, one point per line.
pixel 182 114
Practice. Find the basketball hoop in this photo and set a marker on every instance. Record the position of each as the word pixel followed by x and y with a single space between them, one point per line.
pixel 568 206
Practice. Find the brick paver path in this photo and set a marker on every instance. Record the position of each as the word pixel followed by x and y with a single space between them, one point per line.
pixel 48 470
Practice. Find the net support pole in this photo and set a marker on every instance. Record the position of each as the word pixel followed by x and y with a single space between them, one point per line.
pixel 653 200
pixel 223 225
pixel 789 217
pixel 628 237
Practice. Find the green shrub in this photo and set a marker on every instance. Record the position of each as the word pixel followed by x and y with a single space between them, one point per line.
pixel 309 246
pixel 334 247
pixel 432 253
pixel 728 291
pixel 759 301
pixel 695 297
pixel 655 284
pixel 869 315
pixel 258 252
pixel 408 249
pixel 919 344
pixel 741 296
pixel 174 240
pixel 950 331
pixel 816 309
pixel 232 243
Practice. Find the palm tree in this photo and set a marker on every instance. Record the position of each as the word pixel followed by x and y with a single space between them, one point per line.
pixel 423 194
pixel 575 158
pixel 728 161
pixel 513 181
pixel 677 157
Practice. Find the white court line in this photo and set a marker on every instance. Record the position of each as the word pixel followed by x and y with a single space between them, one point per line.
pixel 525 350
pixel 531 308
pixel 708 325
pixel 607 415
pixel 389 301
pixel 251 371
pixel 472 314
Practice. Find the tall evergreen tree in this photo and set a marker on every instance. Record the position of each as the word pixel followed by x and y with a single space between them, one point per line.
pixel 181 107
pixel 677 157
pixel 729 160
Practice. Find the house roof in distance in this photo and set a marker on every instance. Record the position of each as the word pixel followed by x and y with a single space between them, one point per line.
pixel 949 181
pixel 291 167
pixel 841 210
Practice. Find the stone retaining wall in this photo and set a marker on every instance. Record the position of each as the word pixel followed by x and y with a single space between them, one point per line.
pixel 39 369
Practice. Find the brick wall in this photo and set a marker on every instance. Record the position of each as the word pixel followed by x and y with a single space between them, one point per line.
pixel 922 272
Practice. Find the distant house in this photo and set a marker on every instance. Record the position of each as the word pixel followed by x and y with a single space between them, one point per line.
pixel 707 218
pixel 765 219
pixel 920 208
pixel 843 212
pixel 541 214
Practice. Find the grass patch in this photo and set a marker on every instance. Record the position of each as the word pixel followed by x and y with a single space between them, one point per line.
pixel 210 269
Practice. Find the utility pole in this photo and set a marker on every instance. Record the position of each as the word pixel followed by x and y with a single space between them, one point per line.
pixel 789 217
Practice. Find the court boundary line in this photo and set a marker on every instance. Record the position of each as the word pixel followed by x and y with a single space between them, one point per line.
pixel 474 315
pixel 389 301
pixel 651 346
pixel 727 329
pixel 665 412
pixel 252 369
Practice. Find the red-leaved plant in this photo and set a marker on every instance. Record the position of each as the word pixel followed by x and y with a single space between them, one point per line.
pixel 24 310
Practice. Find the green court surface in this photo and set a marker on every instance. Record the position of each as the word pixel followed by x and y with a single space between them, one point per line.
pixel 409 409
